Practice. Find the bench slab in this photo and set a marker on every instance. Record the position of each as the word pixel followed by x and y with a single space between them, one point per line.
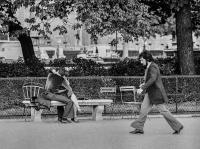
pixel 97 106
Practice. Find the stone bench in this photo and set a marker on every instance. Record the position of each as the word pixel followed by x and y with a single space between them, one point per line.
pixel 97 108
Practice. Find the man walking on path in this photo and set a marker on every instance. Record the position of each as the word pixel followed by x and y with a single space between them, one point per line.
pixel 154 95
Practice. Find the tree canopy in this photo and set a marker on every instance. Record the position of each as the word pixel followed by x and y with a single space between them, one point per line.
pixel 130 18
pixel 187 21
pixel 104 17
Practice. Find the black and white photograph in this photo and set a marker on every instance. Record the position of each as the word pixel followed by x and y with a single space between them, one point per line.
pixel 99 74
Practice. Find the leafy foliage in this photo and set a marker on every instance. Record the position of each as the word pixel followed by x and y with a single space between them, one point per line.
pixel 127 67
pixel 168 66
pixel 20 69
pixel 61 62
pixel 168 8
pixel 83 67
pixel 10 24
pixel 36 67
pixel 129 18
pixel 186 18
pixel 87 68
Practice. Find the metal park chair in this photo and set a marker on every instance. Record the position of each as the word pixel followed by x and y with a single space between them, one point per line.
pixel 130 104
pixel 109 92
pixel 31 91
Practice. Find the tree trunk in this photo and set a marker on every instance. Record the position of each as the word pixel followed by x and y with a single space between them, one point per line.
pixel 185 40
pixel 36 67
pixel 27 48
pixel 25 41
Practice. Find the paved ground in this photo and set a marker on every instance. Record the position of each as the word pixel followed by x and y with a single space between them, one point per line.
pixel 106 134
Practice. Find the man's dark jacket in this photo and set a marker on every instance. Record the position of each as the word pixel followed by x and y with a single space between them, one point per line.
pixel 154 86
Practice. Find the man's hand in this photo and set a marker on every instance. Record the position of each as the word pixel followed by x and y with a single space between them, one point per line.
pixel 70 92
pixel 79 110
pixel 66 80
pixel 139 91
pixel 141 85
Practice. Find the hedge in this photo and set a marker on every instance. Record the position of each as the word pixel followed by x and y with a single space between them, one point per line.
pixel 83 67
pixel 188 87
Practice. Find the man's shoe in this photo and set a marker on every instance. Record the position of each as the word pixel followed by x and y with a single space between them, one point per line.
pixel 75 120
pixel 137 131
pixel 178 131
pixel 64 120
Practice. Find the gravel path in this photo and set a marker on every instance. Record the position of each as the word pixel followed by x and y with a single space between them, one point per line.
pixel 106 134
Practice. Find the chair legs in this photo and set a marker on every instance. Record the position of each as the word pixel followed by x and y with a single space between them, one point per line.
pixel 124 112
pixel 129 111
pixel 112 111
pixel 134 109
pixel 117 114
pixel 25 113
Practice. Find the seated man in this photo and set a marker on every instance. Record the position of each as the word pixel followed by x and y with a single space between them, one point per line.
pixel 66 84
pixel 56 84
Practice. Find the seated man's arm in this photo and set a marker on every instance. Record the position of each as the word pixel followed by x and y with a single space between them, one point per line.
pixel 73 96
pixel 47 85
pixel 68 87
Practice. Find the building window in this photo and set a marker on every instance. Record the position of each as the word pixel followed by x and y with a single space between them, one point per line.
pixel 174 44
pixel 13 38
pixel 78 37
pixel 157 53
pixel 133 53
pixel 170 54
pixel 107 50
pixel 173 36
pixel 48 42
pixel 50 53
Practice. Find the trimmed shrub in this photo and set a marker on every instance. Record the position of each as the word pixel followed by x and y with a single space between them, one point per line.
pixel 84 67
pixel 20 69
pixel 127 67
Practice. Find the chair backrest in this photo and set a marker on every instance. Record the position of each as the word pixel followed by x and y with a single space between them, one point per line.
pixel 108 90
pixel 128 89
pixel 31 89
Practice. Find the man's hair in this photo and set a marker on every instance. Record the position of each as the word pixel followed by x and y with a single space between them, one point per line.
pixel 146 55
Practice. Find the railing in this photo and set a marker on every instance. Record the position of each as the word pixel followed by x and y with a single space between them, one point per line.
pixel 183 92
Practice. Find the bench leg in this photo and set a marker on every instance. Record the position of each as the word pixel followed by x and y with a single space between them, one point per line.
pixel 36 115
pixel 97 113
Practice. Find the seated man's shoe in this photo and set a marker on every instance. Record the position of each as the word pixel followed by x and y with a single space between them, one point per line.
pixel 137 131
pixel 59 119
pixel 178 131
pixel 75 120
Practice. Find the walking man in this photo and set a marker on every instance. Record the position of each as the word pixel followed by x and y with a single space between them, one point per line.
pixel 155 95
